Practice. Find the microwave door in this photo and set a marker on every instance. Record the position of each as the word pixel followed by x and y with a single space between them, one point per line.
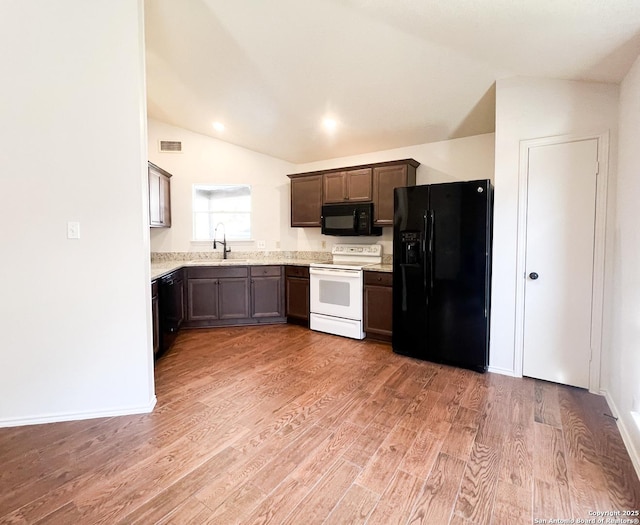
pixel 342 222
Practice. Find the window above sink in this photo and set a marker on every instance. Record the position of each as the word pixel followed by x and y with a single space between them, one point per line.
pixel 229 204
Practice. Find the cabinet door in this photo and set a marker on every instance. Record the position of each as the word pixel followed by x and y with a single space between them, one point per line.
pixel 297 298
pixel 378 310
pixel 359 185
pixel 165 201
pixel 233 298
pixel 202 299
pixel 159 197
pixel 155 218
pixel 266 297
pixel 385 179
pixel 334 187
pixel 378 304
pixel 306 201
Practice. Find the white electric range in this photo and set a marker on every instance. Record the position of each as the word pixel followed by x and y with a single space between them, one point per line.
pixel 336 289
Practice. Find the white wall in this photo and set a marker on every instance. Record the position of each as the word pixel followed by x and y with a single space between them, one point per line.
pixel 622 381
pixel 528 108
pixel 74 314
pixel 208 160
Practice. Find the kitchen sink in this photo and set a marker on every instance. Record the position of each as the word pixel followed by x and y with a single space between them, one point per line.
pixel 219 262
pixel 233 261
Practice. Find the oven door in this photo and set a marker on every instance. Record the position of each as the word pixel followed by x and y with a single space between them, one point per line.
pixel 336 292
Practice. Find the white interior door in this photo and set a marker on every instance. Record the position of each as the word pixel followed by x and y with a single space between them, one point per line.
pixel 561 204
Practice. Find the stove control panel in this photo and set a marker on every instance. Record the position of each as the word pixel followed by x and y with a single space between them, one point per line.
pixel 374 250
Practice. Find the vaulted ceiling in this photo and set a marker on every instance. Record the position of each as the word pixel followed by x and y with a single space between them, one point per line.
pixel 391 73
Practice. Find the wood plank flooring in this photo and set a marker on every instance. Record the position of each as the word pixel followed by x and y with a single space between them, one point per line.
pixel 279 424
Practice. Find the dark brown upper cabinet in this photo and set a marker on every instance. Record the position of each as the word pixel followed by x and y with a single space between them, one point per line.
pixel 367 183
pixel 385 179
pixel 347 186
pixel 306 200
pixel 159 197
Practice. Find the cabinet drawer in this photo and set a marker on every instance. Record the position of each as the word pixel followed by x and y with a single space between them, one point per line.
pixel 212 272
pixel 266 271
pixel 378 278
pixel 297 271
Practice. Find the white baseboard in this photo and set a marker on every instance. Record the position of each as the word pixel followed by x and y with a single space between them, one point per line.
pixel 75 416
pixel 624 432
pixel 502 371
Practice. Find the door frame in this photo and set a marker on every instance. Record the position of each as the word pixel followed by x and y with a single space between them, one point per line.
pixel 597 296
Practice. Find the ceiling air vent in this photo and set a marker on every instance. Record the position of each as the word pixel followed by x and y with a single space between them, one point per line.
pixel 170 146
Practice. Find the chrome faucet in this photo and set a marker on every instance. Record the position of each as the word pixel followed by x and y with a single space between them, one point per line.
pixel 225 250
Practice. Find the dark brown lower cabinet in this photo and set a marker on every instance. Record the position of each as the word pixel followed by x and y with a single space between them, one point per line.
pixel 266 292
pixel 297 294
pixel 234 295
pixel 233 298
pixel 378 305
pixel 202 299
pixel 216 295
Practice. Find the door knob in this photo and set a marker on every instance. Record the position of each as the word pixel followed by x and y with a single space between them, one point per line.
pixel 533 276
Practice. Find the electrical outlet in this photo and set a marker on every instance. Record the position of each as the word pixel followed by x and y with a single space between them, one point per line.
pixel 73 230
pixel 261 245
pixel 277 245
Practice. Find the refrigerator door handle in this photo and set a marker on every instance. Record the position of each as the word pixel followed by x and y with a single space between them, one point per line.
pixel 425 251
pixel 431 222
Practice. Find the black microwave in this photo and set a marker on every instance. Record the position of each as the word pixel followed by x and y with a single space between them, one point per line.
pixel 349 220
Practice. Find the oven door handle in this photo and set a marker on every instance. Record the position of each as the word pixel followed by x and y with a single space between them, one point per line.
pixel 330 272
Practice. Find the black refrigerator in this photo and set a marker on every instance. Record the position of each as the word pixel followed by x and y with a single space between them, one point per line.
pixel 442 272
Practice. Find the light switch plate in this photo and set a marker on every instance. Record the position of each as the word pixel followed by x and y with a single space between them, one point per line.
pixel 73 230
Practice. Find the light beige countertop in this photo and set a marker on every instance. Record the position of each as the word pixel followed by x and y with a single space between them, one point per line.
pixel 161 268
pixel 163 263
pixel 158 269
pixel 385 268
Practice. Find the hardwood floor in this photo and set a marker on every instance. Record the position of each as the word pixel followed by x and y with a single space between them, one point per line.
pixel 279 424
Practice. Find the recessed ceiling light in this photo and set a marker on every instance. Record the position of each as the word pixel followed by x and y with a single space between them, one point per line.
pixel 329 124
pixel 218 126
